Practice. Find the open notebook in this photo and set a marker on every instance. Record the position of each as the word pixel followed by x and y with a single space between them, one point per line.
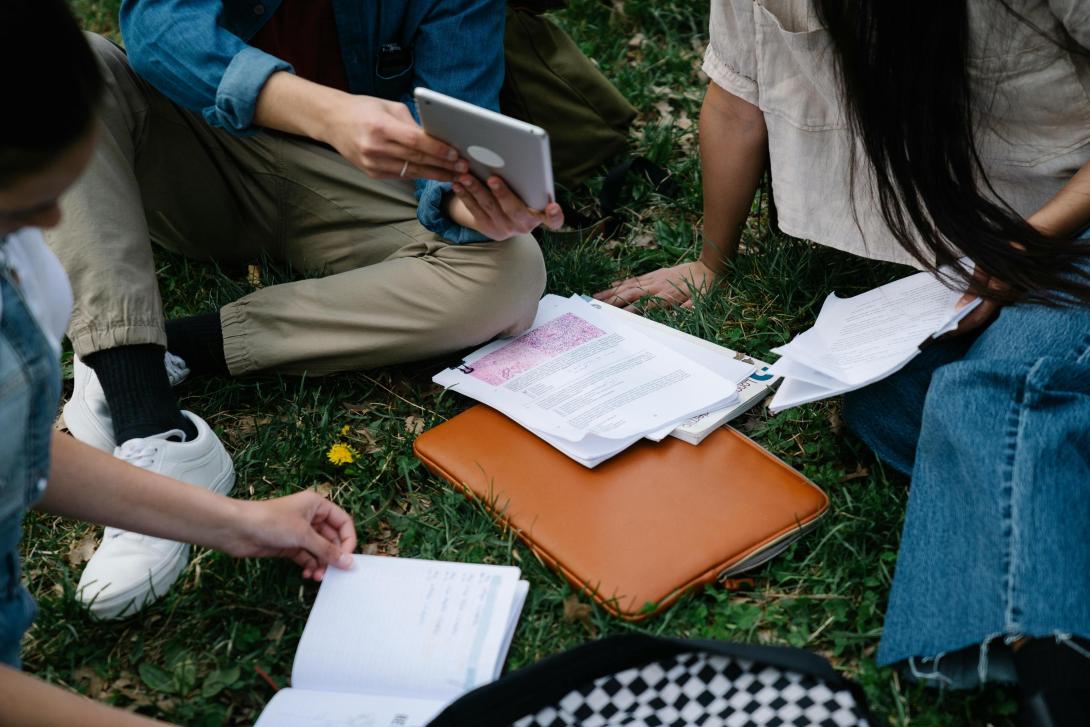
pixel 393 641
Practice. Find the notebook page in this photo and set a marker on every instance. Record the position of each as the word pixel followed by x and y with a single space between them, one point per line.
pixel 521 589
pixel 399 626
pixel 302 708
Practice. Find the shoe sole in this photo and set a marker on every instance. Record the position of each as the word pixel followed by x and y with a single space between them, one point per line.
pixel 122 605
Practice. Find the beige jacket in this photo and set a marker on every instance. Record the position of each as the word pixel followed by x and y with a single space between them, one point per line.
pixel 1032 102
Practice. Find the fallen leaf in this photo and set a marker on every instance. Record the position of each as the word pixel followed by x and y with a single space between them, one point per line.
pixel 637 40
pixel 368 440
pixel 575 610
pixel 414 424
pixel 666 112
pixel 860 473
pixel 96 685
pixel 644 240
pixel 276 632
pixel 324 489
pixel 253 275
pixel 82 551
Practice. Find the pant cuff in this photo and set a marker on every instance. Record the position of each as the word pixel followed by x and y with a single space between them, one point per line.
pixel 88 340
pixel 235 348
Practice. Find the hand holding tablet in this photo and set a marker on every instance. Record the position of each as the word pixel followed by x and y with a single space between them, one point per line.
pixel 510 188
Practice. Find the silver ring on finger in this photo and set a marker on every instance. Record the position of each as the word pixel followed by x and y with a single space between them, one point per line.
pixel 404 168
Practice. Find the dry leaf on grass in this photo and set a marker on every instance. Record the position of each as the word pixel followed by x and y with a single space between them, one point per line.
pixel 575 610
pixel 324 489
pixel 860 473
pixel 637 40
pixel 369 443
pixel 82 551
pixel 253 275
pixel 414 424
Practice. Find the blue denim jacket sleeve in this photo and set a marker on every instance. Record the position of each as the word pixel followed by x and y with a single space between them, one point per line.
pixel 180 47
pixel 459 52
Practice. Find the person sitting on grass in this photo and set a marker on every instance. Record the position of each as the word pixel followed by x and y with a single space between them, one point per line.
pixel 920 133
pixel 235 131
pixel 47 135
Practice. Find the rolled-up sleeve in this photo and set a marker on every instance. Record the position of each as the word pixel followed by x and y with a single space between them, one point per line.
pixel 180 48
pixel 459 52
pixel 731 58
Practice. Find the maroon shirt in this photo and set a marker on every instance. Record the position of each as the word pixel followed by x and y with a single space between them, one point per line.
pixel 304 33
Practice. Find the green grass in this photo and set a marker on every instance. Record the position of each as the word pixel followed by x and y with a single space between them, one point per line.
pixel 198 655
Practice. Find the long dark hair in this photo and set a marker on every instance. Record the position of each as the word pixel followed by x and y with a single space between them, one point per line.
pixel 904 74
pixel 51 87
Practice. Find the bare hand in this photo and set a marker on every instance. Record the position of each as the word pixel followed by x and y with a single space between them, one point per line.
pixel 496 212
pixel 380 136
pixel 305 527
pixel 984 313
pixel 664 287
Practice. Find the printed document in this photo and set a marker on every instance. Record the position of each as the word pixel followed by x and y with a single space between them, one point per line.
pixel 580 376
pixel 857 341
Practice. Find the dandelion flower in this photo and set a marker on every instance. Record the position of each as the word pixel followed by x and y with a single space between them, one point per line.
pixel 344 430
pixel 341 454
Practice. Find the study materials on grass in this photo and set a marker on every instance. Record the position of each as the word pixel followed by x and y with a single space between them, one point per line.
pixel 751 390
pixel 394 640
pixel 640 530
pixel 592 385
pixel 860 340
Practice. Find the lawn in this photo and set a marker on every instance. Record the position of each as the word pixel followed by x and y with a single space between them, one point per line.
pixel 213 649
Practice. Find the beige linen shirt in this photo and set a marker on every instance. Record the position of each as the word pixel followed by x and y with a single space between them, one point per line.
pixel 1031 100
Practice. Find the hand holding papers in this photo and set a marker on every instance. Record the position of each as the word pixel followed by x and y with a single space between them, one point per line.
pixel 857 341
pixel 591 385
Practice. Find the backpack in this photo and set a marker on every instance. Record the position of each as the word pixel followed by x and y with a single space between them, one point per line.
pixel 550 83
pixel 635 679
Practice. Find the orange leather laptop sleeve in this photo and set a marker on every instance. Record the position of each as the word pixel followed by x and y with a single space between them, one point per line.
pixel 642 528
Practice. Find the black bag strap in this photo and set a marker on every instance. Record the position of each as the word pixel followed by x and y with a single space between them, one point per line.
pixel 546 682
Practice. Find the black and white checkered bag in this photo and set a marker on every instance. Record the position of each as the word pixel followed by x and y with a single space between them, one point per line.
pixel 667 683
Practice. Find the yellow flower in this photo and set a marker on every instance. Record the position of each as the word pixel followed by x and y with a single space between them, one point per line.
pixel 344 430
pixel 341 453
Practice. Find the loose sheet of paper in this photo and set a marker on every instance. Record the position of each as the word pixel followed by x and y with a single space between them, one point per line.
pixel 857 341
pixel 414 628
pixel 577 372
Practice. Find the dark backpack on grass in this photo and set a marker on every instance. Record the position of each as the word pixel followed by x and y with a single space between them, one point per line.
pixel 550 83
pixel 644 680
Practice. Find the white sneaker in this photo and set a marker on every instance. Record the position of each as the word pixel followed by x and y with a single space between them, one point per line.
pixel 86 413
pixel 130 570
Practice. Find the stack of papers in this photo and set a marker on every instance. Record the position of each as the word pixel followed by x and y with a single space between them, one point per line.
pixel 591 384
pixel 858 341
pixel 751 390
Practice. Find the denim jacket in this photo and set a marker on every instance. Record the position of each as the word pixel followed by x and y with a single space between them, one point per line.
pixel 30 381
pixel 195 52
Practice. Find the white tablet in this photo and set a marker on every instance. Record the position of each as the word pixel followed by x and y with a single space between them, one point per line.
pixel 493 144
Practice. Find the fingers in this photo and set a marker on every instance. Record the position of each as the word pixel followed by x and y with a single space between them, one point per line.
pixel 405 131
pixel 523 218
pixel 390 167
pixel 979 317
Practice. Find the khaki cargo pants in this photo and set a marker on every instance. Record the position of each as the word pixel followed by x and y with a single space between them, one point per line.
pixel 389 291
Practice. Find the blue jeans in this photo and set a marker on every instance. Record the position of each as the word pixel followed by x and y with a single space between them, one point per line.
pixel 995 433
pixel 29 392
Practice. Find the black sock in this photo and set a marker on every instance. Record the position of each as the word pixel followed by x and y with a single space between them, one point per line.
pixel 141 401
pixel 1055 680
pixel 199 341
